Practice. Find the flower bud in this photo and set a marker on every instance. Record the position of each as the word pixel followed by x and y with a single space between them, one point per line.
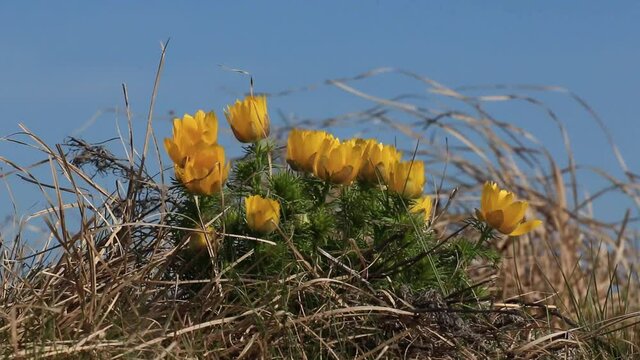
pixel 263 215
pixel 249 119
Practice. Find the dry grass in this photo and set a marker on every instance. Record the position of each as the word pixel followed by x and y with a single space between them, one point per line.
pixel 99 287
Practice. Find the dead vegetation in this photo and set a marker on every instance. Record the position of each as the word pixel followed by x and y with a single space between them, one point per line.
pixel 99 287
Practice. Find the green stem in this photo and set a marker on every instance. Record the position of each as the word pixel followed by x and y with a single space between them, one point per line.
pixel 485 235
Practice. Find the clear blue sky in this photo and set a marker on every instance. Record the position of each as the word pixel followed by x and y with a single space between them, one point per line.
pixel 60 62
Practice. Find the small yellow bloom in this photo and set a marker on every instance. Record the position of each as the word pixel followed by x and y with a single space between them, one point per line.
pixel 263 215
pixel 249 119
pixel 499 209
pixel 303 147
pixel 378 159
pixel 423 204
pixel 339 162
pixel 189 133
pixel 204 171
pixel 407 178
pixel 198 239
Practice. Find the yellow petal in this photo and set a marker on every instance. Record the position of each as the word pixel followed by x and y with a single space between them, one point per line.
pixel 173 151
pixel 343 176
pixel 407 178
pixel 339 163
pixel 191 133
pixel 495 219
pixel 525 227
pixel 506 228
pixel 294 142
pixel 514 213
pixel 304 147
pixel 190 127
pixel 209 127
pixel 494 194
pixel 199 239
pixel 501 212
pixel 249 119
pixel 329 158
pixel 204 171
pixel 423 204
pixel 263 215
pixel 504 198
pixel 177 127
pixel 487 191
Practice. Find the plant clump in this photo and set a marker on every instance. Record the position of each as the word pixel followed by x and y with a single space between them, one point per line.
pixel 352 207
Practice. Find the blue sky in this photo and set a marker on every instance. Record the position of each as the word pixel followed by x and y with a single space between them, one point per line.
pixel 61 62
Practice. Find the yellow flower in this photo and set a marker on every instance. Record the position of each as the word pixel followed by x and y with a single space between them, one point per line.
pixel 378 159
pixel 204 170
pixel 424 204
pixel 499 210
pixel 198 239
pixel 263 215
pixel 249 119
pixel 407 178
pixel 189 133
pixel 339 162
pixel 303 147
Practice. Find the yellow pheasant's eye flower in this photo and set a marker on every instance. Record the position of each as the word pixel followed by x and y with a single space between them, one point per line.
pixel 204 171
pixel 263 215
pixel 303 147
pixel 424 205
pixel 339 163
pixel 189 133
pixel 249 119
pixel 378 159
pixel 499 210
pixel 199 239
pixel 407 178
